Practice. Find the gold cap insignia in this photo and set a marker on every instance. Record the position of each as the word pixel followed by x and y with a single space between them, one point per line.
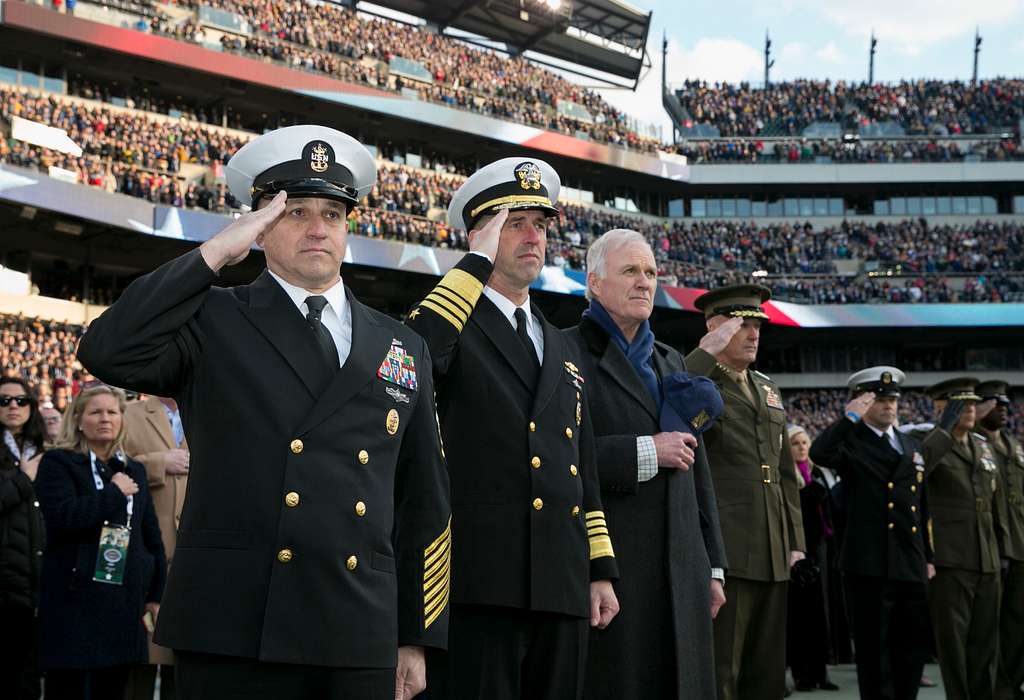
pixel 528 175
pixel 319 158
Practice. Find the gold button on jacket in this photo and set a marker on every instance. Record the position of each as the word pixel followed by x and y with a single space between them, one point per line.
pixel 351 563
pixel 364 456
pixel 538 504
pixel 573 470
pixel 360 508
pixel 284 556
pixel 291 499
pixel 575 511
pixel 296 446
pixel 568 433
pixel 535 462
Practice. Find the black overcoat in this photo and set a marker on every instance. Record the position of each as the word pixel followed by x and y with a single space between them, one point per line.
pixel 83 623
pixel 667 538
pixel 315 524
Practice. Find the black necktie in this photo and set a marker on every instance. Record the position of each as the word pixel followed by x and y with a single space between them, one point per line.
pixel 524 337
pixel 316 305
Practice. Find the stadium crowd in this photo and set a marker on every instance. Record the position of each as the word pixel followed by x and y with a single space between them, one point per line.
pixel 332 39
pixel 809 150
pixel 923 107
pixel 142 154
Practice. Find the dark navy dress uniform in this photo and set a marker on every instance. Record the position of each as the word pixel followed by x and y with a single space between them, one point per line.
pixel 885 550
pixel 314 537
pixel 528 530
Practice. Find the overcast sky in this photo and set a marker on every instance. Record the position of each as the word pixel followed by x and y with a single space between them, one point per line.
pixel 723 40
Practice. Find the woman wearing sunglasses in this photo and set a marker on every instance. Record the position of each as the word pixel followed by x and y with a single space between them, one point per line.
pixel 22 535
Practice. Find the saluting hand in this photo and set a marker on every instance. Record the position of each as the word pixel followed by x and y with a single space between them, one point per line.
pixel 675 450
pixel 486 239
pixel 231 245
pixel 983 409
pixel 860 405
pixel 718 340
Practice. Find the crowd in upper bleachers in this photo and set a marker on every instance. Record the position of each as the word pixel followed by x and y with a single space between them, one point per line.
pixel 807 150
pixel 144 153
pixel 924 107
pixel 333 39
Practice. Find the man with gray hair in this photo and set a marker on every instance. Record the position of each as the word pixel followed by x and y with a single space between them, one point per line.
pixel 656 485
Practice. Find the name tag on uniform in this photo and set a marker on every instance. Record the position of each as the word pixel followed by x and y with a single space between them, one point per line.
pixel 771 399
pixel 398 367
pixel 112 555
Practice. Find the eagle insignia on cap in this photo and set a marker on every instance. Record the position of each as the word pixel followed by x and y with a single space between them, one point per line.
pixel 528 175
pixel 886 377
pixel 319 158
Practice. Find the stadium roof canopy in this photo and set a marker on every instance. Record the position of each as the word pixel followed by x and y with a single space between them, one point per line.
pixel 609 36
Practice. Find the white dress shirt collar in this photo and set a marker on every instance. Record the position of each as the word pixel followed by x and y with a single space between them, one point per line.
pixel 508 309
pixel 335 295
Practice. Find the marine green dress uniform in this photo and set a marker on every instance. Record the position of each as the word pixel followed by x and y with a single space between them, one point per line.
pixel 314 536
pixel 759 510
pixel 1009 457
pixel 964 503
pixel 529 533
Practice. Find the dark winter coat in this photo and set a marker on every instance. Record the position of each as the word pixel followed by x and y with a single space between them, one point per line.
pixel 22 536
pixel 83 623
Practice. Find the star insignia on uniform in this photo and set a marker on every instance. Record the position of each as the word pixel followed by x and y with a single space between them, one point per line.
pixel 414 313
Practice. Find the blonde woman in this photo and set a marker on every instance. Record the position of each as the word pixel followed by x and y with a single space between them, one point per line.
pixel 104 565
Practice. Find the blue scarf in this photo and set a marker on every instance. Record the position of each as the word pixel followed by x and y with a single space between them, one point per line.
pixel 638 352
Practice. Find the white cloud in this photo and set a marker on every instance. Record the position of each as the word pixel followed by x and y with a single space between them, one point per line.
pixel 912 25
pixel 714 60
pixel 711 59
pixel 830 53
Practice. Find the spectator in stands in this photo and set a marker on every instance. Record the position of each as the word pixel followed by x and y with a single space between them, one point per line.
pixel 51 420
pixel 807 634
pixel 92 607
pixel 23 537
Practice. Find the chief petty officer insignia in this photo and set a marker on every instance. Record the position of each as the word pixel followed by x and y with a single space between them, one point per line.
pixel 320 157
pixel 529 175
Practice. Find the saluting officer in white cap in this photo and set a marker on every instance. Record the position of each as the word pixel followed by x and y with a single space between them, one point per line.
pixel 317 516
pixel 886 559
pixel 533 556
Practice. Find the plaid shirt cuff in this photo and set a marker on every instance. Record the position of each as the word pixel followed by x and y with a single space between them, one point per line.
pixel 718 574
pixel 646 458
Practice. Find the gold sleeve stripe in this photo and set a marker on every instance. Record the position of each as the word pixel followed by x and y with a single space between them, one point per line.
pixel 452 308
pixel 442 539
pixel 601 546
pixel 452 295
pixel 595 531
pixel 464 284
pixel 434 562
pixel 438 607
pixel 436 575
pixel 426 303
pixel 440 573
pixel 595 514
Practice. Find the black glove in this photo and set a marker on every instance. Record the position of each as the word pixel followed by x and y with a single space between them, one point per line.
pixel 951 415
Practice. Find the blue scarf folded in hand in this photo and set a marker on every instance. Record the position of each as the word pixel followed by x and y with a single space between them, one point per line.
pixel 637 352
